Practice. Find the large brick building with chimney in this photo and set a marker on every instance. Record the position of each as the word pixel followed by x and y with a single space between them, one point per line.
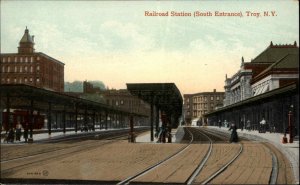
pixel 31 68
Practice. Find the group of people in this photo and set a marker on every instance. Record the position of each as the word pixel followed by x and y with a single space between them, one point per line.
pixel 233 127
pixel 15 134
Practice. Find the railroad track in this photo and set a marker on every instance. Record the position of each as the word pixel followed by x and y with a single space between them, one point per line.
pixel 194 136
pixel 111 135
pixel 203 136
pixel 19 163
pixel 209 140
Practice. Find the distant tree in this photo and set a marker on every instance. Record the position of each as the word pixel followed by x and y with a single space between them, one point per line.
pixel 99 84
pixel 77 86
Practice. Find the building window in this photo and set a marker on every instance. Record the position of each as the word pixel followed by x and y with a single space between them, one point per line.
pixel 38 58
pixel 21 59
pixel 211 98
pixel 20 80
pixel 16 59
pixel 25 69
pixel 3 69
pixel 37 68
pixel 122 102
pixel 31 59
pixel 31 69
pixel 26 59
pixel 8 69
pixel 37 80
pixel 21 69
pixel 3 60
pixel 16 69
pixel 25 79
pixel 30 80
pixel 8 59
pixel 218 98
pixel 15 80
pixel 205 98
pixel 117 103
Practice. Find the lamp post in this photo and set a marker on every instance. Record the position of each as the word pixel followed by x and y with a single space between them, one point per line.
pixel 291 124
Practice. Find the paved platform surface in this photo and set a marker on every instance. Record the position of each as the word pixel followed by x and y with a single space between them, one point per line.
pixel 290 150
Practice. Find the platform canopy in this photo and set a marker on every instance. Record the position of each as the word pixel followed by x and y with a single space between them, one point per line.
pixel 165 96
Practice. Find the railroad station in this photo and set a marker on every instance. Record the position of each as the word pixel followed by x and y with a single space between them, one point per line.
pixel 248 134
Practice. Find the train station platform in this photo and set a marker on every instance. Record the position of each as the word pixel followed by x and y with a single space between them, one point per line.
pixel 44 136
pixel 290 150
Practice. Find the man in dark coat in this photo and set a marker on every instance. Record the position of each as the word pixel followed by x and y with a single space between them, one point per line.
pixel 234 136
pixel 25 134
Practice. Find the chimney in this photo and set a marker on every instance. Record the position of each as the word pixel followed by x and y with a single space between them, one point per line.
pixel 214 90
pixel 32 38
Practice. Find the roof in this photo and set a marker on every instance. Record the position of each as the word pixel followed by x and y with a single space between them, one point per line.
pixel 42 97
pixel 50 58
pixel 26 37
pixel 275 52
pixel 166 96
pixel 288 63
pixel 287 90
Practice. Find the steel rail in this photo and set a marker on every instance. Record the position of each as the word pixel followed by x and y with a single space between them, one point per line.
pixel 202 163
pixel 127 180
pixel 274 172
pixel 224 167
pixel 67 139
pixel 73 151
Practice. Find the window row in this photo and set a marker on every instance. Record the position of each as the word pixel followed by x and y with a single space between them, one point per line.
pixel 19 69
pixel 199 113
pixel 204 98
pixel 202 105
pixel 20 80
pixel 19 59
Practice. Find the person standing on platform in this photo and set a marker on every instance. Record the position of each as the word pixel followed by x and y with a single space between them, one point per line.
pixel 234 136
pixel 11 135
pixel 220 123
pixel 242 125
pixel 25 134
pixel 248 126
pixel 263 125
pixel 18 132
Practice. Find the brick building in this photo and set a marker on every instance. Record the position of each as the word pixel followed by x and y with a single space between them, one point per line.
pixel 117 98
pixel 31 68
pixel 195 105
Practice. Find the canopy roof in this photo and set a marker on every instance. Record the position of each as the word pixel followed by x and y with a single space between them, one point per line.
pixel 165 96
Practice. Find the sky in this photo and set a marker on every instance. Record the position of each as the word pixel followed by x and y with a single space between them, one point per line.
pixel 114 42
